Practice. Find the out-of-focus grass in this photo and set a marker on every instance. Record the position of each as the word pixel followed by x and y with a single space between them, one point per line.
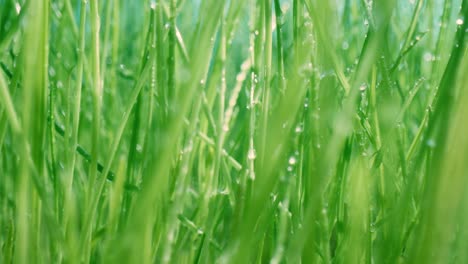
pixel 280 131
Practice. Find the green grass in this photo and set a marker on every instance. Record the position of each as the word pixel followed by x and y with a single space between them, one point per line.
pixel 215 131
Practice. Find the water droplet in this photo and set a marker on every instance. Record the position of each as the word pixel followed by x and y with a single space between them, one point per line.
pixel 153 5
pixel 51 71
pixel 139 148
pixel 345 45
pixel 299 129
pixel 292 160
pixel 459 21
pixel 252 154
pixel 431 143
pixel 17 8
pixel 363 87
pixel 428 56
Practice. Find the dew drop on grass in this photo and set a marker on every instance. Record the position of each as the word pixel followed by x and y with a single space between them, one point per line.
pixel 459 21
pixel 431 143
pixel 153 5
pixel 292 160
pixel 17 8
pixel 428 56
pixel 252 154
pixel 345 45
pixel 306 104
pixel 51 71
pixel 139 148
pixel 299 129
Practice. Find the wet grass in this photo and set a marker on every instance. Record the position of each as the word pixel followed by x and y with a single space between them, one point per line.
pixel 211 131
